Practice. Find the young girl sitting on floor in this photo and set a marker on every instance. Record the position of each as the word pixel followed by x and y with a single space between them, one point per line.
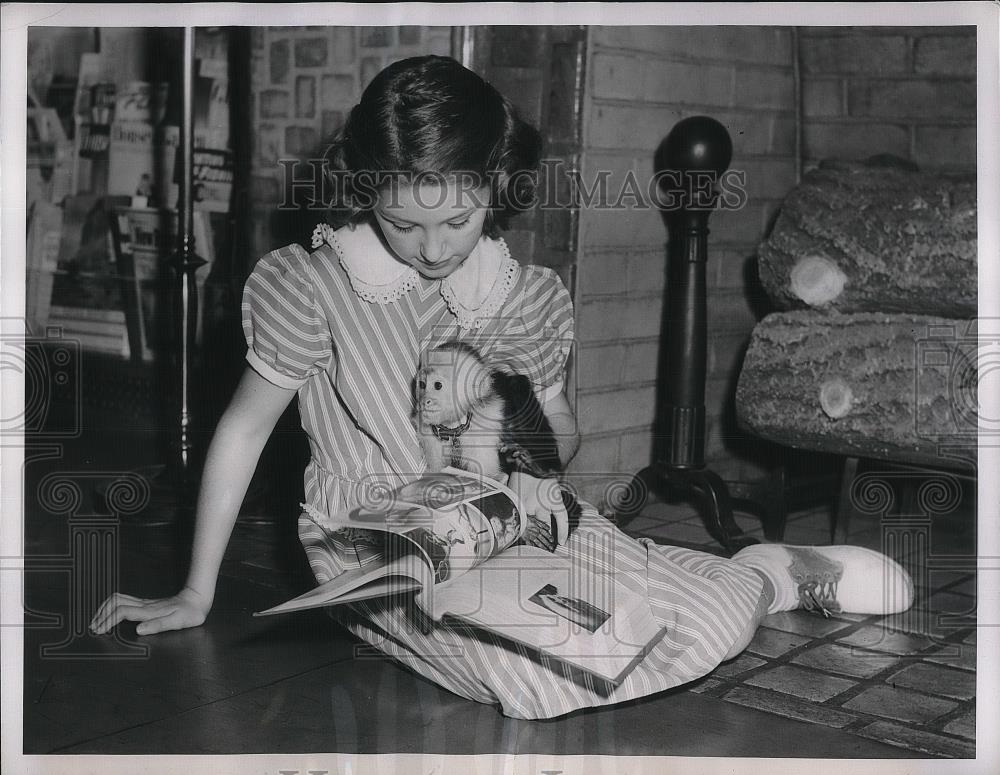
pixel 430 165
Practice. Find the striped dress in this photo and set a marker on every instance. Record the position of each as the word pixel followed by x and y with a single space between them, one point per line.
pixel 351 348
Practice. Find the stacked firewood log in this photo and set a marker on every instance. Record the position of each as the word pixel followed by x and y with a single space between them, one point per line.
pixel 875 352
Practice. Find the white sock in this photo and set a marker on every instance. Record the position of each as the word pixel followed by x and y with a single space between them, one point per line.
pixel 773 563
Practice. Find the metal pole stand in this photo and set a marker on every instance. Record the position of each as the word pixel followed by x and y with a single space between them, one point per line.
pixel 173 484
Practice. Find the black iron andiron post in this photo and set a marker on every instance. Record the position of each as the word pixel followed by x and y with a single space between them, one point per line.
pixel 689 164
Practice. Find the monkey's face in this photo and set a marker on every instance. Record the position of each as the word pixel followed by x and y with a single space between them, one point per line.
pixel 449 386
pixel 436 395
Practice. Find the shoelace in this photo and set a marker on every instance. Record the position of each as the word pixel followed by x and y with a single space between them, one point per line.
pixel 820 595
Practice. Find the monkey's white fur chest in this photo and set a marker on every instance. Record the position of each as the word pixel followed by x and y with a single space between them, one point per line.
pixel 475 448
pixel 458 416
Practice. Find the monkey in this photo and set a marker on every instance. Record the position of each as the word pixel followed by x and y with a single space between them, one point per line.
pixel 486 421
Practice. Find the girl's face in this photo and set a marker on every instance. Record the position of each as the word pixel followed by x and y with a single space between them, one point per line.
pixel 432 226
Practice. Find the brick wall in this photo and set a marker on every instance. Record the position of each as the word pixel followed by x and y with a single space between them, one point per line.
pixel 304 81
pixel 909 91
pixel 536 68
pixel 641 81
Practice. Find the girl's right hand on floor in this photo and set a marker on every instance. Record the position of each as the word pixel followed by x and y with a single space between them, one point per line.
pixel 185 609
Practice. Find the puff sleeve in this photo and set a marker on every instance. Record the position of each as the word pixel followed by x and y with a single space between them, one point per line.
pixel 287 333
pixel 539 343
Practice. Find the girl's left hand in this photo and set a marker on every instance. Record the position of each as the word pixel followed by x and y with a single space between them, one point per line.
pixel 539 535
pixel 542 499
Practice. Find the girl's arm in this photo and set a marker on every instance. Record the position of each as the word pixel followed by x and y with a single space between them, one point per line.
pixel 232 458
pixel 563 422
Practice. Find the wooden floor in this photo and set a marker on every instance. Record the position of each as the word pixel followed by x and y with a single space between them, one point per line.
pixel 240 684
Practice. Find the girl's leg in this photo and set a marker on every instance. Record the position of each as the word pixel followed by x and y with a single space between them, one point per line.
pixel 705 604
pixel 763 604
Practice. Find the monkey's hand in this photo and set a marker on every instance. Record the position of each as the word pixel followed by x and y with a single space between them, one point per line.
pixel 517 458
pixel 542 499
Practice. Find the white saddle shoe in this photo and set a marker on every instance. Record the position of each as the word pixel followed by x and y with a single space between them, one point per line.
pixel 831 579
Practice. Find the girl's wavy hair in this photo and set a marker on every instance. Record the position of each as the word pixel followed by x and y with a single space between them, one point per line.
pixel 430 116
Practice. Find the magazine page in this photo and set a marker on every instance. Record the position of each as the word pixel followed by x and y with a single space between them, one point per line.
pixel 458 520
pixel 404 570
pixel 435 529
pixel 558 608
pixel 453 488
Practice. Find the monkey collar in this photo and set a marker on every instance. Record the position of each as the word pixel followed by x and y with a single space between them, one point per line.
pixel 444 433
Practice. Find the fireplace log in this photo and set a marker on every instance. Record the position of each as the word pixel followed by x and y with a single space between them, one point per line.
pixel 888 386
pixel 858 238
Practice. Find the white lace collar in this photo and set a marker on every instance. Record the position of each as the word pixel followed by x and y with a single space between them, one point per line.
pixel 378 277
pixel 492 256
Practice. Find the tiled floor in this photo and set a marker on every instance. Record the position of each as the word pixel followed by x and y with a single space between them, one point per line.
pixel 908 680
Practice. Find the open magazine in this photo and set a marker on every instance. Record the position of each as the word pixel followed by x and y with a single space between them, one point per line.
pixel 451 540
